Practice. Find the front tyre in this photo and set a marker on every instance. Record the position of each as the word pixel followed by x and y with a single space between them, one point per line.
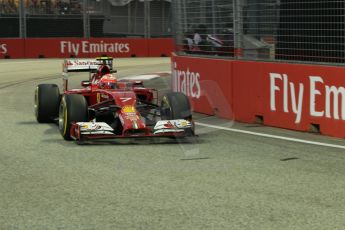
pixel 175 105
pixel 47 99
pixel 73 108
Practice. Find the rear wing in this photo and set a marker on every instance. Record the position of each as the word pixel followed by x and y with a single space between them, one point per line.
pixel 86 65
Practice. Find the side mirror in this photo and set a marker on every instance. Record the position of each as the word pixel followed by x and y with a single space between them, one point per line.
pixel 85 83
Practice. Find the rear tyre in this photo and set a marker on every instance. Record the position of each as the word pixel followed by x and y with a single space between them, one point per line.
pixel 47 100
pixel 73 108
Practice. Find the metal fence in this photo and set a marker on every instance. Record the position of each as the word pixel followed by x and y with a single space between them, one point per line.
pixel 85 18
pixel 270 30
pixel 204 27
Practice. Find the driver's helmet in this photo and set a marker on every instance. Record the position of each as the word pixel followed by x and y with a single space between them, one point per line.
pixel 108 81
pixel 103 70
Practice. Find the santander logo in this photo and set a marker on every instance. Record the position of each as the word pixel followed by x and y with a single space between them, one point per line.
pixel 3 48
pixel 186 81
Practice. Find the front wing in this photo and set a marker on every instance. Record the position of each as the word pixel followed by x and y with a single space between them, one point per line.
pixel 83 131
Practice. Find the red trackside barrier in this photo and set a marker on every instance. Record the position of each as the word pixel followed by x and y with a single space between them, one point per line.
pixel 85 48
pixel 292 96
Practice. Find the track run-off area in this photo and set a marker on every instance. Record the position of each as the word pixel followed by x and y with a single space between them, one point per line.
pixel 232 176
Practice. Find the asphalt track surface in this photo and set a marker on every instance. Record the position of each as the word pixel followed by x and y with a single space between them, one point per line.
pixel 222 180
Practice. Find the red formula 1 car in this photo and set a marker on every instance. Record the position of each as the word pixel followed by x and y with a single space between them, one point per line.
pixel 107 108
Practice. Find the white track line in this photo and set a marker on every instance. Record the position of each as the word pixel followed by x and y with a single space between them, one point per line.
pixel 272 136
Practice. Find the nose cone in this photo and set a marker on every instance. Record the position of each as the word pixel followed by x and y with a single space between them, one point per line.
pixel 131 120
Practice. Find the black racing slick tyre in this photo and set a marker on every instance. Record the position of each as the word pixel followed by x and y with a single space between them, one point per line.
pixel 73 108
pixel 175 105
pixel 47 100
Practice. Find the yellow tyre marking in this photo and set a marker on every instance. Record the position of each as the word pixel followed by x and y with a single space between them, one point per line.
pixel 98 97
pixel 165 99
pixel 65 119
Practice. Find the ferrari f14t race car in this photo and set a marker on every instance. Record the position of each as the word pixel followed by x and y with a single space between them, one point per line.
pixel 108 108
